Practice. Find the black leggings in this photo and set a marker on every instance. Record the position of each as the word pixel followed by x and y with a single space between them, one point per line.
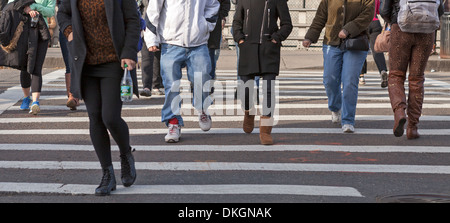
pixel 101 94
pixel 34 80
pixel 268 89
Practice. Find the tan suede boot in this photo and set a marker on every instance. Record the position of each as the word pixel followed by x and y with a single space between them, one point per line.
pixel 265 130
pixel 249 122
pixel 72 102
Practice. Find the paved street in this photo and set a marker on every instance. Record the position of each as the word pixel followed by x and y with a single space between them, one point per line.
pixel 49 157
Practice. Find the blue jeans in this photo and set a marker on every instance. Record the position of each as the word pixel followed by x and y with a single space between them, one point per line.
pixel 198 64
pixel 342 67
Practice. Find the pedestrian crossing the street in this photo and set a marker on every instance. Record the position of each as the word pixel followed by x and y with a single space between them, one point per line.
pixel 311 159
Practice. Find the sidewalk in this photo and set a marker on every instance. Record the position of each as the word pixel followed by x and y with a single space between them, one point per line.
pixel 290 60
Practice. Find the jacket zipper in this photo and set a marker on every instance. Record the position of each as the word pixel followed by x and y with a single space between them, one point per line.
pixel 262 24
pixel 268 19
pixel 246 22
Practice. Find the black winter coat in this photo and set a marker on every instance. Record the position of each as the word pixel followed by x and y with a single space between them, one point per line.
pixel 19 41
pixel 255 22
pixel 124 25
pixel 216 35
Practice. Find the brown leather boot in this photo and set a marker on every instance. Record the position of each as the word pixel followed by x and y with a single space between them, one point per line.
pixel 411 132
pixel 265 129
pixel 397 97
pixel 415 102
pixel 72 102
pixel 399 122
pixel 249 122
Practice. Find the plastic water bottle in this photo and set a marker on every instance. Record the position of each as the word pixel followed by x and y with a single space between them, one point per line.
pixel 126 87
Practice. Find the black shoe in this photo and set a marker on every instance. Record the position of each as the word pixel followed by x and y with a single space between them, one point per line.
pixel 108 183
pixel 128 169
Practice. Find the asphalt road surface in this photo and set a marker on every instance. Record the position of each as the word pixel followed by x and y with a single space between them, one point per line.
pixel 49 157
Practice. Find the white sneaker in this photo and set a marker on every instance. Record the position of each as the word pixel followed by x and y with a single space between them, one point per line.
pixel 174 134
pixel 336 117
pixel 347 128
pixel 204 121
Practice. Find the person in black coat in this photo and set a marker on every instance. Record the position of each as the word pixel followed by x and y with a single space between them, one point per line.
pixel 215 37
pixel 256 30
pixel 24 37
pixel 102 37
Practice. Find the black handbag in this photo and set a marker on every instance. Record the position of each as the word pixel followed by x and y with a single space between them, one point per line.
pixel 360 42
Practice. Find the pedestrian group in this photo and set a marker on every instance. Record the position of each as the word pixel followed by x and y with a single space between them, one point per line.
pixel 98 38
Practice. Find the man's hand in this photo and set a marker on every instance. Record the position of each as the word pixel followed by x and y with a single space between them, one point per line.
pixel 153 49
pixel 343 34
pixel 131 64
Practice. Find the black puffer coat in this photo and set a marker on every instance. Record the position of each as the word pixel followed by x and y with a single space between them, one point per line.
pixel 19 41
pixel 255 22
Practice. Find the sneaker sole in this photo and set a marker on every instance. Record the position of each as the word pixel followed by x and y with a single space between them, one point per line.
pixel 35 110
pixel 172 140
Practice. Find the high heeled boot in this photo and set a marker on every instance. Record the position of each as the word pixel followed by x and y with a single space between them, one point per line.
pixel 397 97
pixel 128 169
pixel 108 182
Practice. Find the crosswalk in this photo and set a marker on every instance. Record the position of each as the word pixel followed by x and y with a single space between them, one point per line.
pixel 311 156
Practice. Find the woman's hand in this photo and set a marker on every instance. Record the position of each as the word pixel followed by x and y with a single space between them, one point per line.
pixel 241 41
pixel 131 64
pixel 30 12
pixel 70 37
pixel 306 43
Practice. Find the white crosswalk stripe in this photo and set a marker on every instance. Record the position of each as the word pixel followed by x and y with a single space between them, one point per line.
pixel 298 90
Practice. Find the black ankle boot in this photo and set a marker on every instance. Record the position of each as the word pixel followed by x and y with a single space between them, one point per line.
pixel 128 169
pixel 108 183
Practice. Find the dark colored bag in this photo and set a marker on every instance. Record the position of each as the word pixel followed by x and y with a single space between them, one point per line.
pixel 360 42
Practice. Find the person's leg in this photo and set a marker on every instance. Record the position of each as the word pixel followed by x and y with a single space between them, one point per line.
pixel 419 57
pixel 269 94
pixel 118 128
pixel 198 69
pixel 399 57
pixel 25 82
pixel 332 59
pixel 147 71
pixel 91 93
pixel 36 80
pixel 157 85
pixel 352 63
pixel 245 94
pixel 172 58
pixel 112 111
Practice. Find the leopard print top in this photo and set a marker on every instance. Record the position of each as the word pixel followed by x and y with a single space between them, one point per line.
pixel 99 43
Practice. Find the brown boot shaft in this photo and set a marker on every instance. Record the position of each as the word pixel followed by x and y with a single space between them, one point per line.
pixel 265 130
pixel 249 122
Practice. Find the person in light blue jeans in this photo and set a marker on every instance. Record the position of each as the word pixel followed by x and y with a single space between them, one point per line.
pixel 341 20
pixel 342 67
pixel 198 64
